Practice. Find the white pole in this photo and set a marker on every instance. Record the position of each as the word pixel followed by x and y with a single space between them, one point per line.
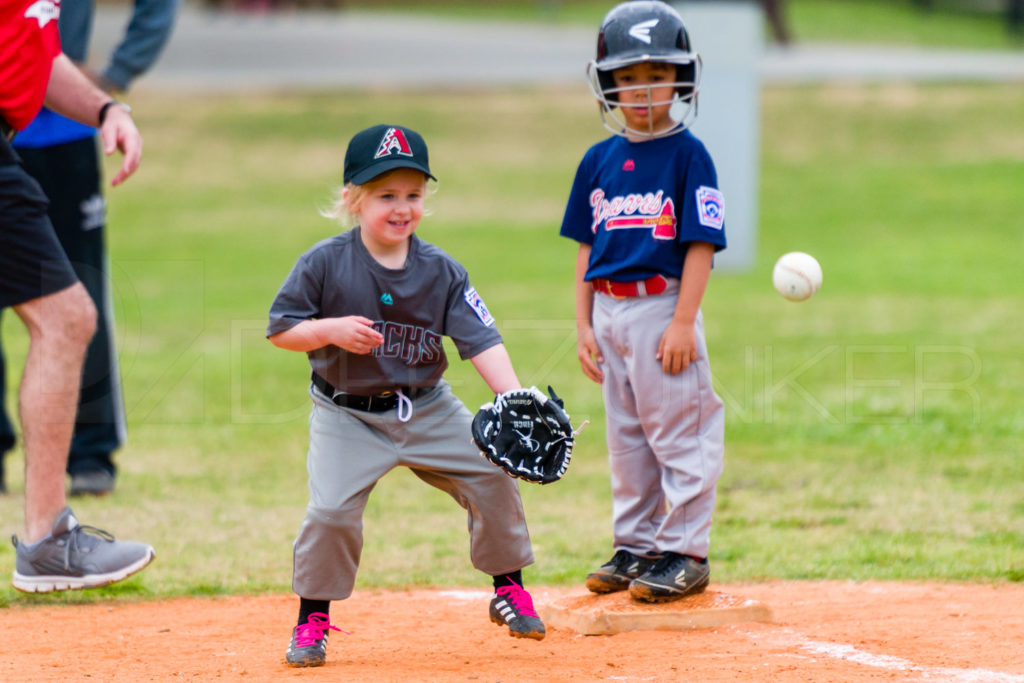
pixel 729 36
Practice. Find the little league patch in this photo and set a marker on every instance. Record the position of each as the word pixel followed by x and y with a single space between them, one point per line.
pixel 479 307
pixel 710 207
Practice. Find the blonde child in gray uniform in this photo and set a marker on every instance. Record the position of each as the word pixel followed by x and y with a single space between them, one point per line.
pixel 370 307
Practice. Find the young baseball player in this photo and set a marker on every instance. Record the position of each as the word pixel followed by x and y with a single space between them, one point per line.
pixel 369 307
pixel 647 213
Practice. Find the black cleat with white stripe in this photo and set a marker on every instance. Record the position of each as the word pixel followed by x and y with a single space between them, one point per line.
pixel 308 646
pixel 672 577
pixel 512 606
pixel 617 573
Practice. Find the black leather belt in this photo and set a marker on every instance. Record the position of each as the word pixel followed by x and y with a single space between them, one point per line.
pixel 374 403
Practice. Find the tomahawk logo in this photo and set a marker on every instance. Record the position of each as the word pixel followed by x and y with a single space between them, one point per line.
pixel 393 142
pixel 642 31
pixel 43 11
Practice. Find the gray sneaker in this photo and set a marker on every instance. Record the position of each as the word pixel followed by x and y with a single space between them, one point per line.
pixel 73 557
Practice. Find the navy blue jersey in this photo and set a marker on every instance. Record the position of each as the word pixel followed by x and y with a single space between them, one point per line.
pixel 640 204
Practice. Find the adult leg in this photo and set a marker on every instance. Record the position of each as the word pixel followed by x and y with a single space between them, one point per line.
pixel 776 18
pixel 1015 16
pixel 60 326
pixel 7 436
pixel 69 174
pixel 57 553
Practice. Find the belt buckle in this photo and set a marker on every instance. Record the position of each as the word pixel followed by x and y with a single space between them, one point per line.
pixel 378 399
pixel 611 291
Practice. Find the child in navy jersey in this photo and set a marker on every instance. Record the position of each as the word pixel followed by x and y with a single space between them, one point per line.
pixel 647 213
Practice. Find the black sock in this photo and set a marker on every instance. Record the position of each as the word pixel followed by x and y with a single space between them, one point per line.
pixel 307 607
pixel 509 579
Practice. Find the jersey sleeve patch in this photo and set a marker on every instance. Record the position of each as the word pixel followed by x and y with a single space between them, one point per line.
pixel 478 306
pixel 710 207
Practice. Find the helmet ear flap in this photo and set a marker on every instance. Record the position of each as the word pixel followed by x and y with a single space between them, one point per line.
pixel 686 73
pixel 604 78
pixel 607 82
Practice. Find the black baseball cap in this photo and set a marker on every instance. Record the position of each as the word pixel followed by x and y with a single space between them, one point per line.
pixel 384 148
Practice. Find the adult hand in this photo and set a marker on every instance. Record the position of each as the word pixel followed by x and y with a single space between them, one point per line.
pixel 118 132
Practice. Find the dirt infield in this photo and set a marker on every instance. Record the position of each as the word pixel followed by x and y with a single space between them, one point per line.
pixel 829 631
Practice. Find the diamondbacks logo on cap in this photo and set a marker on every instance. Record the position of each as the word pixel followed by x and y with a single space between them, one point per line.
pixel 393 142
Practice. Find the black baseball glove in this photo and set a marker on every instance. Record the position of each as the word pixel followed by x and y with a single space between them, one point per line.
pixel 527 434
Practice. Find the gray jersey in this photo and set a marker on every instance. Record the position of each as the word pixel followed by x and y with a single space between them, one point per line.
pixel 413 307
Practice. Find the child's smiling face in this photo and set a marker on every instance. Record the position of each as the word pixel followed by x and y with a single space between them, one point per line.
pixel 392 207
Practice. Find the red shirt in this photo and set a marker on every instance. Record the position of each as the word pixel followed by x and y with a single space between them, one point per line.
pixel 29 42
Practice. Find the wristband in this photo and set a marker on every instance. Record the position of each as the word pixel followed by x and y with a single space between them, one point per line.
pixel 108 105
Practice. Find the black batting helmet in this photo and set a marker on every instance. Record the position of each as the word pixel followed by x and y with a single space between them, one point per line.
pixel 645 31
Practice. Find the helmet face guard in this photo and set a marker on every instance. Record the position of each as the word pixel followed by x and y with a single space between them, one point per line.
pixel 644 31
pixel 683 109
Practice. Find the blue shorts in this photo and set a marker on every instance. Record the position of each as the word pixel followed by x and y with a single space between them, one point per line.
pixel 32 262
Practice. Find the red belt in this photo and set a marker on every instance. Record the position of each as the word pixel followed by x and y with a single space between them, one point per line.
pixel 621 290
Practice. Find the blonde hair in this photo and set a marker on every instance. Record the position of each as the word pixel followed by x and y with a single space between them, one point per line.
pixel 344 207
pixel 346 198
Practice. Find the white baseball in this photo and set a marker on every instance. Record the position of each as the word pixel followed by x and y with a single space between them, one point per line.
pixel 796 276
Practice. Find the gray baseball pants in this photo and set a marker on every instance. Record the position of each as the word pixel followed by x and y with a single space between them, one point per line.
pixel 665 432
pixel 350 450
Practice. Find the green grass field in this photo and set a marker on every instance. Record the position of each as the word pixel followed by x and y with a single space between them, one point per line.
pixel 873 431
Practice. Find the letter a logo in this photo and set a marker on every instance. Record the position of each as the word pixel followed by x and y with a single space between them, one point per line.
pixel 393 142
